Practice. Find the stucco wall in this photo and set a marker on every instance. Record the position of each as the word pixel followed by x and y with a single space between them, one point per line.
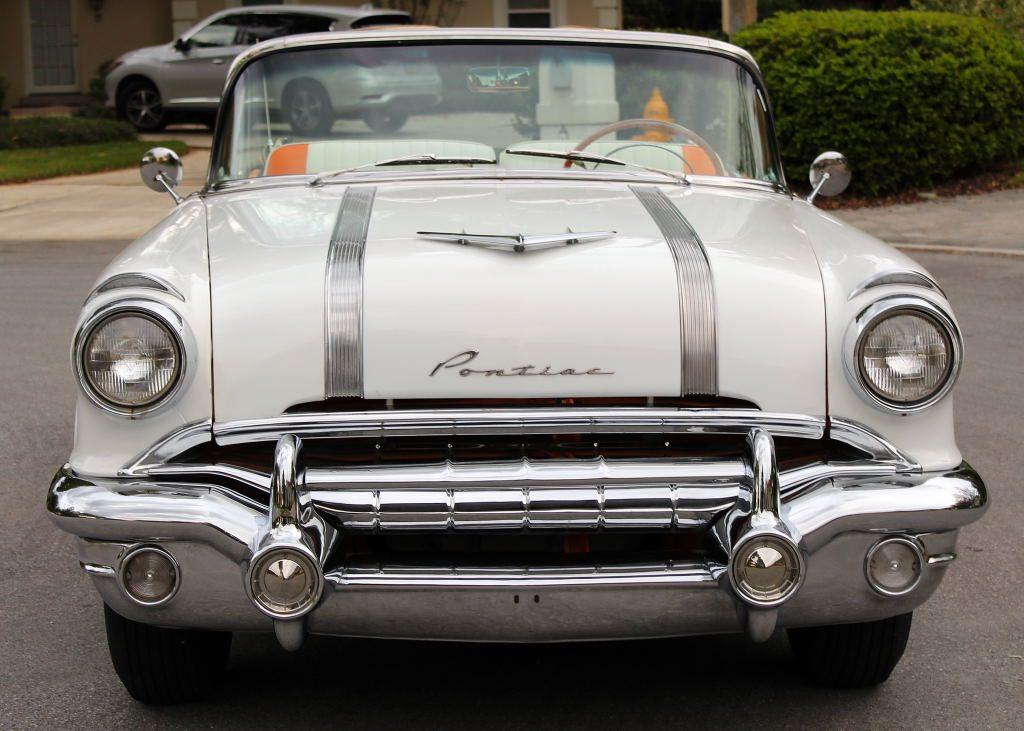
pixel 12 49
pixel 123 25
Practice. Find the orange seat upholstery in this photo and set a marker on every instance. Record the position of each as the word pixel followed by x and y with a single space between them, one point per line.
pixel 288 159
pixel 698 161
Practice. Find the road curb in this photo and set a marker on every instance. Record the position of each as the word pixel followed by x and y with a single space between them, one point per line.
pixel 960 250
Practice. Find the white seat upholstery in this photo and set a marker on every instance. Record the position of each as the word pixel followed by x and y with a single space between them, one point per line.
pixel 326 155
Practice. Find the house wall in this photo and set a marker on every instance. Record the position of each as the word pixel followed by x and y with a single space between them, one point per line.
pixel 123 25
pixel 12 49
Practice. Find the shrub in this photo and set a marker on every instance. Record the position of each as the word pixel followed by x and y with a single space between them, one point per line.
pixel 912 98
pixel 26 132
pixel 1008 14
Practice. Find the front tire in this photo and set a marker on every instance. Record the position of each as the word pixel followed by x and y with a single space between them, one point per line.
pixel 851 655
pixel 308 108
pixel 142 106
pixel 160 666
pixel 385 120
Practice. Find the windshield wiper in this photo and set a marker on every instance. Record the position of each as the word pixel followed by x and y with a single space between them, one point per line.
pixel 420 159
pixel 581 157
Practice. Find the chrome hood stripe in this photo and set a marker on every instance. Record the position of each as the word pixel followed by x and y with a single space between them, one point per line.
pixel 343 295
pixel 697 339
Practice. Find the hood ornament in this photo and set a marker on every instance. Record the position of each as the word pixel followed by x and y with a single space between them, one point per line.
pixel 519 243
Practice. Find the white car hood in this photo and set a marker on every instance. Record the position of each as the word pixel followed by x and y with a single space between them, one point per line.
pixel 592 319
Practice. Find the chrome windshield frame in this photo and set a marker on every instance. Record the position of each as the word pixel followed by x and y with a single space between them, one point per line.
pixel 436 36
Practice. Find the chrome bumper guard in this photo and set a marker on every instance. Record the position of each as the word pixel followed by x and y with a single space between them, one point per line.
pixel 827 517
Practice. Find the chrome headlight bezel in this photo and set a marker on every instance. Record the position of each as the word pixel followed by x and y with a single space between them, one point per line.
pixel 880 310
pixel 164 316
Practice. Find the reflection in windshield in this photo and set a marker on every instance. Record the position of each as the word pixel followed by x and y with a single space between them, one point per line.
pixel 311 111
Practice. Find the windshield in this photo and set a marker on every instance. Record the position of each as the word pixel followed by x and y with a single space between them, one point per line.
pixel 328 112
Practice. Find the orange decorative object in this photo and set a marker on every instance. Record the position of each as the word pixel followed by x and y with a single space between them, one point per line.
pixel 656 108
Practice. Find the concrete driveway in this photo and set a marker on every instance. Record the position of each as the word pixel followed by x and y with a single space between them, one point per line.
pixel 989 222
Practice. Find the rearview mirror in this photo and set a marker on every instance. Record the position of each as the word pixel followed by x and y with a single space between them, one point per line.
pixel 499 79
pixel 180 44
pixel 161 170
pixel 830 174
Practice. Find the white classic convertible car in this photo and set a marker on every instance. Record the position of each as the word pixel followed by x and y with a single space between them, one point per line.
pixel 564 360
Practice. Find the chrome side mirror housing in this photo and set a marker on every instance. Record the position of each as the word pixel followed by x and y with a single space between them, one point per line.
pixel 830 174
pixel 161 170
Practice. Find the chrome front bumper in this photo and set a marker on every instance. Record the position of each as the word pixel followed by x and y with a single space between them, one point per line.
pixel 213 521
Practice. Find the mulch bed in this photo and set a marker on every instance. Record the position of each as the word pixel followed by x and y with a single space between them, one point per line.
pixel 1008 178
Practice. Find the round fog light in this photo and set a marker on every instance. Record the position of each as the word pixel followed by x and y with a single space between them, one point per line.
pixel 285 583
pixel 149 576
pixel 765 570
pixel 893 566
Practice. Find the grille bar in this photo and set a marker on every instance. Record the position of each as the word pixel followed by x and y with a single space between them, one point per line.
pixel 680 494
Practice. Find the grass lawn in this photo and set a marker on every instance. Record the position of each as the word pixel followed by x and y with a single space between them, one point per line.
pixel 19 166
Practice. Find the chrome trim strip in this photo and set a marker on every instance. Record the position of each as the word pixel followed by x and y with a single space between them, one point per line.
pixel 884 455
pixel 908 277
pixel 567 420
pixel 692 574
pixel 95 569
pixel 170 446
pixel 867 440
pixel 575 175
pixel 134 280
pixel 343 295
pixel 697 338
pixel 941 559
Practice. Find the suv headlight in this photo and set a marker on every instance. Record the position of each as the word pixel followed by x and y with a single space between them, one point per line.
pixel 904 353
pixel 129 357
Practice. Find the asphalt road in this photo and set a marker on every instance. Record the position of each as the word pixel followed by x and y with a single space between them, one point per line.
pixel 964 667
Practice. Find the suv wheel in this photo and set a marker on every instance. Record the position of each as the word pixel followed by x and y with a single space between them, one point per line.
pixel 309 108
pixel 385 120
pixel 142 107
pixel 159 665
pixel 851 655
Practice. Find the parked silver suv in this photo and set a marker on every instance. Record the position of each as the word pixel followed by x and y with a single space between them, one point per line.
pixel 183 80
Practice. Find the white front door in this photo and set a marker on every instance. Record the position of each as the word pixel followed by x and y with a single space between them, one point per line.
pixel 52 46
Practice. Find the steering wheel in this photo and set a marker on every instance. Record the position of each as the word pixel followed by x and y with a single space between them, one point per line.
pixel 675 129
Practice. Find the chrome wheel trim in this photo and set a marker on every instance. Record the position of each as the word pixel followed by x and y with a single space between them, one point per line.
pixel 143 107
pixel 306 110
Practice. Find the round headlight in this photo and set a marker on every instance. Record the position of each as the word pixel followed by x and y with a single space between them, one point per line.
pixel 907 357
pixel 130 360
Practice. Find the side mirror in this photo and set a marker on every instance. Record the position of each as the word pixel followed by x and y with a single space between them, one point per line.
pixel 830 174
pixel 180 44
pixel 161 170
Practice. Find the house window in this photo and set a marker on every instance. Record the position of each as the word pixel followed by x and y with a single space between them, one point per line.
pixel 529 13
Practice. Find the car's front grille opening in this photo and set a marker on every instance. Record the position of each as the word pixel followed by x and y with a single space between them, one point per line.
pixel 366 452
pixel 534 549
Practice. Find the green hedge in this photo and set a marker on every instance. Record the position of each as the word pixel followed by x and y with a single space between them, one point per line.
pixel 912 98
pixel 25 132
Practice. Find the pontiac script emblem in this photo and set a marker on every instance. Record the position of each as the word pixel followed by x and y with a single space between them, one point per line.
pixel 462 359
